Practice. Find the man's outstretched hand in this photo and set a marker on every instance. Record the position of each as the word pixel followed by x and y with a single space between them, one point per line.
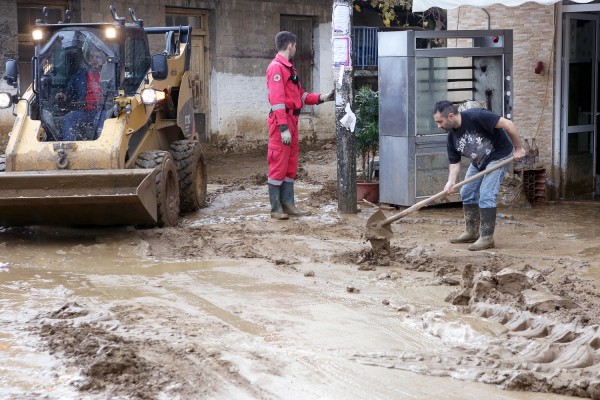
pixel 327 97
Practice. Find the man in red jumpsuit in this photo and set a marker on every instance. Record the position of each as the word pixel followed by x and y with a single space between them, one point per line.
pixel 287 97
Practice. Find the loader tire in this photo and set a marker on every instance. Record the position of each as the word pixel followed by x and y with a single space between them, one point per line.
pixel 2 162
pixel 167 185
pixel 191 170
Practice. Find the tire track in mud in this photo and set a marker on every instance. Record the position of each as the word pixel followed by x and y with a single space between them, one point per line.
pixel 544 342
pixel 534 354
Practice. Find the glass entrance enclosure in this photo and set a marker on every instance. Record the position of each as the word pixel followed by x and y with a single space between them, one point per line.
pixel 417 69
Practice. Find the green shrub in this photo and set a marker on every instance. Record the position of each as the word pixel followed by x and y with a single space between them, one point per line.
pixel 366 105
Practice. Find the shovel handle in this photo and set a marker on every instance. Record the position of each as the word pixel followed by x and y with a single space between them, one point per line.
pixel 441 194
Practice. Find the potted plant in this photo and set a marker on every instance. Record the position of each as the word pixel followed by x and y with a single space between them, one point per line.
pixel 366 105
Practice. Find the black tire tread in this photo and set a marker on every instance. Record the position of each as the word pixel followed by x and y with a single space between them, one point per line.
pixel 190 166
pixel 158 159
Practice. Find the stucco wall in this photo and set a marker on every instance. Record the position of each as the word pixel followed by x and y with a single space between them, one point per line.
pixel 533 35
pixel 244 49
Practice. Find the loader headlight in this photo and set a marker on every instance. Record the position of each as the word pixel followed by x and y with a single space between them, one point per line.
pixel 152 96
pixel 5 100
pixel 110 33
pixel 37 35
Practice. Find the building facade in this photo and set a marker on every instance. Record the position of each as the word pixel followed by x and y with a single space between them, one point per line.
pixel 556 92
pixel 232 47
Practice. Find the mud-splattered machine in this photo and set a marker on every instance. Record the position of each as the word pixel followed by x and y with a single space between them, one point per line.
pixel 116 146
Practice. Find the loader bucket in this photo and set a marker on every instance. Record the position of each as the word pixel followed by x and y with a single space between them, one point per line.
pixel 76 197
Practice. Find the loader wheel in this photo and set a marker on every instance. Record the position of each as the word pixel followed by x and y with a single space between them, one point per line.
pixel 167 185
pixel 191 170
pixel 2 162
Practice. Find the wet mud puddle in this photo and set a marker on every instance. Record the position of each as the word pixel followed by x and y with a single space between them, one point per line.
pixel 76 311
pixel 216 309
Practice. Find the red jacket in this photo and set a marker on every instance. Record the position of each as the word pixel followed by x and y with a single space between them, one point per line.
pixel 284 94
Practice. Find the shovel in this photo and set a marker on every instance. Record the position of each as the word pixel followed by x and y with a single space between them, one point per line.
pixel 379 231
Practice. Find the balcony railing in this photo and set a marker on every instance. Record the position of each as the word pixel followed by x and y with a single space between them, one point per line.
pixel 364 46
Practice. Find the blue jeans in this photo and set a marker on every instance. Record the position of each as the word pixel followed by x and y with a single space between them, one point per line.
pixel 483 191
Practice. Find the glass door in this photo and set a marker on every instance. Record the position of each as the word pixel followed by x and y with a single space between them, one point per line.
pixel 578 130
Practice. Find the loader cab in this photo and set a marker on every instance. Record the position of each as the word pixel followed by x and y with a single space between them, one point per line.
pixel 79 70
pixel 75 80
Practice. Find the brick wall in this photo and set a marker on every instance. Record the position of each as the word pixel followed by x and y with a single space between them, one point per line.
pixel 533 35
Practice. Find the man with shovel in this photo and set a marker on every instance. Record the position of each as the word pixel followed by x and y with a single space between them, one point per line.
pixel 287 97
pixel 487 139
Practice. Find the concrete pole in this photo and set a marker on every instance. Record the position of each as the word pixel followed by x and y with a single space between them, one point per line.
pixel 342 64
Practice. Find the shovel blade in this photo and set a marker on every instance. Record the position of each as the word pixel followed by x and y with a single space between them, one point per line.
pixel 377 234
pixel 375 229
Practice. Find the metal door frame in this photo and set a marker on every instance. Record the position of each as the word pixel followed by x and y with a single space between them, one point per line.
pixel 559 153
pixel 565 129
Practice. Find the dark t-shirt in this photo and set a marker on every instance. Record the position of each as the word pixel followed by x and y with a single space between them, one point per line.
pixel 478 139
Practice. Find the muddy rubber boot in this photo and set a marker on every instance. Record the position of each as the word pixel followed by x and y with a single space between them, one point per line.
pixel 486 230
pixel 287 201
pixel 471 233
pixel 275 199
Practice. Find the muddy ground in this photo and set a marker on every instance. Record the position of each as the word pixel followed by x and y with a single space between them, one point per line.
pixel 233 305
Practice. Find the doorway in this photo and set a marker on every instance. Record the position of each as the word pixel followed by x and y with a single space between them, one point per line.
pixel 579 125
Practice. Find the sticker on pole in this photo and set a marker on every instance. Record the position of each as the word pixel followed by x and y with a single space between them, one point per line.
pixel 342 14
pixel 341 51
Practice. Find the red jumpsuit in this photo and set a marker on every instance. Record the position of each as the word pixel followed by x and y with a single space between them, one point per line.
pixel 286 98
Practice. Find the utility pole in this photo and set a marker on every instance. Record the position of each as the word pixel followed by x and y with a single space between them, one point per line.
pixel 341 37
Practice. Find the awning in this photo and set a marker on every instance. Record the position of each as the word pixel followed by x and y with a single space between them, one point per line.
pixel 424 5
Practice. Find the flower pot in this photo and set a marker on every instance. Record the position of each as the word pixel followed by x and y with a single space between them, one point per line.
pixel 367 191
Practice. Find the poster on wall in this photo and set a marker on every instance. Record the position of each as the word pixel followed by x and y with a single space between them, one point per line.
pixel 341 19
pixel 341 51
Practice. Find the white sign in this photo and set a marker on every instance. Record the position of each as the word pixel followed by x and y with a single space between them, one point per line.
pixel 341 51
pixel 341 19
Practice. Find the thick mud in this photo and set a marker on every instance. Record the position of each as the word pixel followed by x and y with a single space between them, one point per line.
pixel 231 304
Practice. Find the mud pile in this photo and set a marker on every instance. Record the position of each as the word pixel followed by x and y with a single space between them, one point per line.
pixel 117 362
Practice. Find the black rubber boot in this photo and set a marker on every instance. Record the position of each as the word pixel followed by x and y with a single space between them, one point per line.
pixel 275 199
pixel 471 233
pixel 486 230
pixel 287 200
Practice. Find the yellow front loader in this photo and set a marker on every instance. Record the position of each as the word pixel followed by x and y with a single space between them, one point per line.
pixel 105 133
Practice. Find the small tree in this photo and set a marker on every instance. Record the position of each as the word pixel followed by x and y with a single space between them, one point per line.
pixel 366 104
